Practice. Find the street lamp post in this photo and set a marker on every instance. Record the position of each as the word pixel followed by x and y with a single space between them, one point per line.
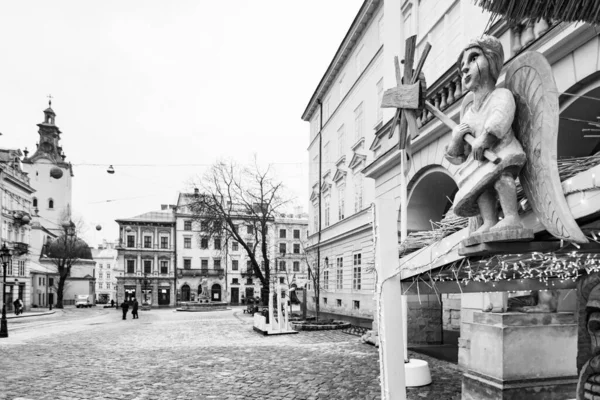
pixel 5 256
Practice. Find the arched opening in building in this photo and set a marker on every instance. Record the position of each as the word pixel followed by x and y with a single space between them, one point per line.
pixel 579 123
pixel 185 293
pixel 215 292
pixel 50 203
pixel 35 204
pixel 430 198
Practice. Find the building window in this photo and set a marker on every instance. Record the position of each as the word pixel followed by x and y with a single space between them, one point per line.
pixel 108 266
pixel 21 267
pixel 316 217
pixel 341 203
pixel 282 233
pixel 250 245
pixel 130 266
pixel 217 226
pixel 324 300
pixel 296 248
pixel 217 244
pixel 234 265
pixel 99 285
pixel 204 243
pixel 187 225
pixel 356 305
pixel 282 248
pixel 296 233
pixel 338 302
pixel 379 100
pixel 341 134
pixel 359 61
pixel 359 122
pixel 35 202
pixel 217 263
pixel 50 203
pixel 234 246
pixel 281 279
pixel 249 229
pixel 358 192
pixel 342 86
pixel 107 275
pixel 164 242
pixel 187 263
pixel 326 279
pixel 204 226
pixel 99 275
pixel 249 281
pixel 234 281
pixel 50 282
pixel 326 109
pixel 356 273
pixel 327 202
pixel 130 241
pixel 339 273
pixel 187 242
pixel 164 267
pixel 326 156
pixel 204 263
pixel 147 242
pixel 147 266
pixel 296 266
pixel 282 265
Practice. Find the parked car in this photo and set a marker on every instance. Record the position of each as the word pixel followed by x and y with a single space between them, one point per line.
pixel 82 300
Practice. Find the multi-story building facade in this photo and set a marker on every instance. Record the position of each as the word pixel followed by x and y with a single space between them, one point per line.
pixel 290 260
pixel 344 114
pixel 16 225
pixel 223 264
pixel 107 267
pixel 146 255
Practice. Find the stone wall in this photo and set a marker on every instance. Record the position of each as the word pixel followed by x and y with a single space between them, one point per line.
pixel 451 312
pixel 424 320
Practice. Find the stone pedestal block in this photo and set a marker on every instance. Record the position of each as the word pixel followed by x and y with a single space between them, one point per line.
pixel 521 356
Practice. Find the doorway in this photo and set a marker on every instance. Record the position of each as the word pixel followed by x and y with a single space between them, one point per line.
pixel 185 293
pixel 164 296
pixel 249 293
pixel 235 295
pixel 50 298
pixel 216 292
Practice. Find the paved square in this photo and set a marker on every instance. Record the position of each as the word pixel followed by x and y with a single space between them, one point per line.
pixel 176 355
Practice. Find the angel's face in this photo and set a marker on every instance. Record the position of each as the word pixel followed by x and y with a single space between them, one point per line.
pixel 475 69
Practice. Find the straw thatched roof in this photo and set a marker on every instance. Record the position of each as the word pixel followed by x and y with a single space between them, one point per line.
pixel 555 10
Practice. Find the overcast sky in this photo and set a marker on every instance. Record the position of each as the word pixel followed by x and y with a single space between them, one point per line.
pixel 150 85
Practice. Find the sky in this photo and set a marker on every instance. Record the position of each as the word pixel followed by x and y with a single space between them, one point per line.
pixel 163 89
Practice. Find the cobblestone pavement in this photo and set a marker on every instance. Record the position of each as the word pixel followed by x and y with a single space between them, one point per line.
pixel 176 355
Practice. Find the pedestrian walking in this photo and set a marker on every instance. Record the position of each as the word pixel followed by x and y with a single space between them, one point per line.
pixel 125 308
pixel 17 306
pixel 112 303
pixel 134 310
pixel 21 306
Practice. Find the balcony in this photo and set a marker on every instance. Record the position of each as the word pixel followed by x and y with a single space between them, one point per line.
pixel 18 248
pixel 201 272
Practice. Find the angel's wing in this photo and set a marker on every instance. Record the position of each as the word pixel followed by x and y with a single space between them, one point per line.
pixel 530 79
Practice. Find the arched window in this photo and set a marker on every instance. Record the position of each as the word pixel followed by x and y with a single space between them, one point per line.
pixel 50 203
pixel 35 201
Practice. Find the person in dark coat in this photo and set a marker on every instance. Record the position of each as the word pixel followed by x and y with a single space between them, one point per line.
pixel 17 306
pixel 134 310
pixel 112 303
pixel 125 308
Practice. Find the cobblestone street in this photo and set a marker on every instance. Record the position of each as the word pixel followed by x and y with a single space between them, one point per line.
pixel 174 355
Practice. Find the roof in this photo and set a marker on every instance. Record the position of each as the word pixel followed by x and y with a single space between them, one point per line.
pixel 152 216
pixel 360 23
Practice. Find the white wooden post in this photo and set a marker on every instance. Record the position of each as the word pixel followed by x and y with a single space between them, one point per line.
pixel 391 329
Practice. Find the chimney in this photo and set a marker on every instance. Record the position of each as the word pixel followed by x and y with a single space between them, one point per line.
pixel 196 191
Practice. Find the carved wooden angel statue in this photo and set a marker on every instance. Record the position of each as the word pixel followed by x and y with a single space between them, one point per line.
pixel 519 123
pixel 487 113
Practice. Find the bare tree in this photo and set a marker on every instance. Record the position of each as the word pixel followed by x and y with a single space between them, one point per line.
pixel 64 252
pixel 240 203
pixel 315 275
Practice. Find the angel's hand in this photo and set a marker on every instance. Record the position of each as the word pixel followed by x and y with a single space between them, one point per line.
pixel 461 130
pixel 479 145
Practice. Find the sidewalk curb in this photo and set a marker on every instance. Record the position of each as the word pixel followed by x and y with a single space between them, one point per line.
pixel 30 315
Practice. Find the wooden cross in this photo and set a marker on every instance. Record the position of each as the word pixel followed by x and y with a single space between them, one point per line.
pixel 406 98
